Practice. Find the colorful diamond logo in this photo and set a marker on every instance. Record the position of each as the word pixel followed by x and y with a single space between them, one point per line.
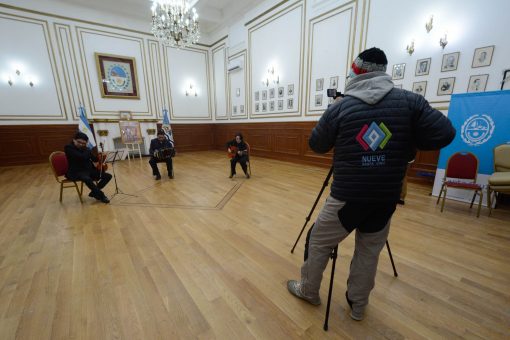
pixel 373 136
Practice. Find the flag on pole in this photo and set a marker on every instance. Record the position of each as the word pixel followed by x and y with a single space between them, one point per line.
pixel 166 126
pixel 83 126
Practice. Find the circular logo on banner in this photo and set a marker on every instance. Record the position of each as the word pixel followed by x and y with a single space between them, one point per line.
pixel 118 77
pixel 477 130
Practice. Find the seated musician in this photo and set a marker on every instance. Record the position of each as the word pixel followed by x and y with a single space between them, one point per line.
pixel 81 168
pixel 155 150
pixel 238 151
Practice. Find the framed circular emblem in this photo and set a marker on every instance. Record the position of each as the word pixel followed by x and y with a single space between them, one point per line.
pixel 117 76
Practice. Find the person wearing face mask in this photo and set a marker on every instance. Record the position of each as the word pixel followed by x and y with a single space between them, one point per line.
pixel 238 153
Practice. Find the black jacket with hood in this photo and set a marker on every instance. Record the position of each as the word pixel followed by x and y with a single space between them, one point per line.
pixel 375 131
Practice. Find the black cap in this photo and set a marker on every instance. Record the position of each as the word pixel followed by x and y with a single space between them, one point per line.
pixel 81 135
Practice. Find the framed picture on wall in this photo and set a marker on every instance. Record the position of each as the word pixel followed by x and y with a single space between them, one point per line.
pixel 238 92
pixel 319 84
pixel 117 76
pixel 234 110
pixel 420 87
pixel 318 100
pixel 271 93
pixel 445 86
pixel 450 62
pixel 398 71
pixel 257 95
pixel 478 83
pixel 290 90
pixel 264 95
pixel 280 104
pixel 290 103
pixel 333 82
pixel 130 132
pixel 257 107
pixel 281 92
pixel 483 56
pixel 271 105
pixel 264 107
pixel 241 109
pixel 423 67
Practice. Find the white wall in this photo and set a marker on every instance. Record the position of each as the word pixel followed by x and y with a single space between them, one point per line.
pixel 469 25
pixel 304 40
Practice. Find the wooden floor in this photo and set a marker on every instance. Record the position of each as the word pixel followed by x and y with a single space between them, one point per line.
pixel 203 256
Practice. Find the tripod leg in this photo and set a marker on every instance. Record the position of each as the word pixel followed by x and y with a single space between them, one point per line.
pixel 324 185
pixel 391 259
pixel 333 256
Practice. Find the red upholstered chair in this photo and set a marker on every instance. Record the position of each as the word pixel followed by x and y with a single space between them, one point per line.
pixel 58 163
pixel 461 172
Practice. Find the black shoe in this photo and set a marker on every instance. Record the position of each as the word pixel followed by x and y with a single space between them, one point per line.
pixel 401 202
pixel 91 194
pixel 171 175
pixel 247 175
pixel 231 175
pixel 158 177
pixel 104 199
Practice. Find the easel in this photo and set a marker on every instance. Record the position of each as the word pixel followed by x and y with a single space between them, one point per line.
pixel 134 147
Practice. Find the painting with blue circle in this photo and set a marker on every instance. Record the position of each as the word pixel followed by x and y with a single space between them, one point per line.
pixel 117 76
pixel 482 121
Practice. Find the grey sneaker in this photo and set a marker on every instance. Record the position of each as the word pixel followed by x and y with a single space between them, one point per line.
pixel 294 288
pixel 355 316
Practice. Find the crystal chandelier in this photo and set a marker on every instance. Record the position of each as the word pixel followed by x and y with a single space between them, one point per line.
pixel 174 23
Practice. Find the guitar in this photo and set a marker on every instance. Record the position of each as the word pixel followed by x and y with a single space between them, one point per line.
pixel 232 151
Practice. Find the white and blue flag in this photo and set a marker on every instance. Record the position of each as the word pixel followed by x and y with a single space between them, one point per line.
pixel 83 126
pixel 166 126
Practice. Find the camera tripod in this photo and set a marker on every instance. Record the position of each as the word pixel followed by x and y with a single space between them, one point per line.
pixel 334 252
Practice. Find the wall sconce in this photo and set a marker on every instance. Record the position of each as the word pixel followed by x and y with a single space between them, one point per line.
pixel 410 48
pixel 428 24
pixel 16 78
pixel 443 41
pixel 271 78
pixel 189 91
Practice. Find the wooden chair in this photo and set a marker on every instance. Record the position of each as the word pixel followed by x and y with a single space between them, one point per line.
pixel 248 162
pixel 461 168
pixel 58 163
pixel 499 182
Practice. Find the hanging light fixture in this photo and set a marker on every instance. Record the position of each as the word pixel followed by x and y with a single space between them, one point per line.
pixel 174 23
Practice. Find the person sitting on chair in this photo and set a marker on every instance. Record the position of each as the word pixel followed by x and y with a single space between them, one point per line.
pixel 157 144
pixel 238 151
pixel 81 168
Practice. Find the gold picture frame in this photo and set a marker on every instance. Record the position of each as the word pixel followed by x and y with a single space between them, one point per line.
pixel 130 132
pixel 117 76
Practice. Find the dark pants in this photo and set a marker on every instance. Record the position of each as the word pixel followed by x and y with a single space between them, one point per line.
pixel 88 177
pixel 154 165
pixel 240 159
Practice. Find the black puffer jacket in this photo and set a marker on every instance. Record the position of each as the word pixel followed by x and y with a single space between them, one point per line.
pixel 375 131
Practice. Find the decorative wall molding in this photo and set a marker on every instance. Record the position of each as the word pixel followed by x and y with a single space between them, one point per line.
pixel 251 29
pixel 150 107
pixel 44 25
pixel 217 49
pixel 350 6
pixel 242 55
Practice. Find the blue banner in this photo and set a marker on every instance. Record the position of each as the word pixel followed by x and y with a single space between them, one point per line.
pixel 482 121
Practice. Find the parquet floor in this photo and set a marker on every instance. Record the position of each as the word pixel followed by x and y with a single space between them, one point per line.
pixel 203 256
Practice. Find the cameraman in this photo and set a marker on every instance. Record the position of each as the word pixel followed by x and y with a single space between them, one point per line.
pixel 374 131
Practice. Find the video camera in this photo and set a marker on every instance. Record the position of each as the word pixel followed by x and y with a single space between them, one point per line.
pixel 333 93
